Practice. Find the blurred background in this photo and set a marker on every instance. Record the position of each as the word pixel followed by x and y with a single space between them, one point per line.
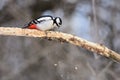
pixel 24 58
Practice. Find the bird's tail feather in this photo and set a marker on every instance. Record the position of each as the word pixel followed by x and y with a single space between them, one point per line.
pixel 25 26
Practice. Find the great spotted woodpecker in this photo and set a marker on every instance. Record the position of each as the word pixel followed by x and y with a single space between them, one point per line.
pixel 45 23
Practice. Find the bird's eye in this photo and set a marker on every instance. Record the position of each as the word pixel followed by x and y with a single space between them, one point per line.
pixel 59 23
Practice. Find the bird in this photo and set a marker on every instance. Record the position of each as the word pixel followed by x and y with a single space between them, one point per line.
pixel 45 23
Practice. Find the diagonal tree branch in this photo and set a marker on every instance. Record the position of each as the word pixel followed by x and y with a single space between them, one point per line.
pixel 63 37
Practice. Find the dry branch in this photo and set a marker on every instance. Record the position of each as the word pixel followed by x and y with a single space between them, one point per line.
pixel 94 47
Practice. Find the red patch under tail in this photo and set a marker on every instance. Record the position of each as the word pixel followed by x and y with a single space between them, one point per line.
pixel 32 26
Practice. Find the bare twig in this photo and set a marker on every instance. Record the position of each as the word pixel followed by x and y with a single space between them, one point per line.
pixel 95 26
pixel 94 47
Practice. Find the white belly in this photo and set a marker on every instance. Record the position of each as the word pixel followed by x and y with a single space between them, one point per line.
pixel 45 25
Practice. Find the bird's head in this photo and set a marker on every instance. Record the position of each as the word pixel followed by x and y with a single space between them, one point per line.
pixel 58 21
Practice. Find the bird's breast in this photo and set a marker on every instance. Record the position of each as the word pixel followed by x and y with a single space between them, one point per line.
pixel 46 25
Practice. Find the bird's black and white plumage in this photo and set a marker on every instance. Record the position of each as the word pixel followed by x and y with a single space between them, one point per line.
pixel 45 23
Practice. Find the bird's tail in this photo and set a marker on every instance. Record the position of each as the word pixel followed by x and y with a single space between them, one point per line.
pixel 25 26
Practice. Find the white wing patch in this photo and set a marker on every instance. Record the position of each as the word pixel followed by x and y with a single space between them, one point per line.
pixel 44 18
